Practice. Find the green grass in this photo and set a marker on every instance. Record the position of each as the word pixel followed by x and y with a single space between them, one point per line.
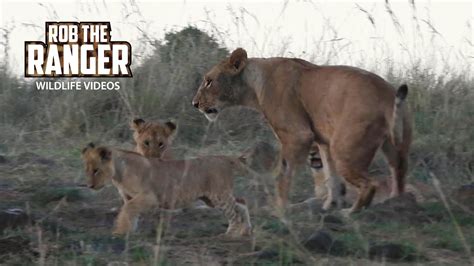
pixel 443 236
pixel 353 243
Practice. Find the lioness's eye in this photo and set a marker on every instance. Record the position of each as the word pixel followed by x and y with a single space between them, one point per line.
pixel 208 82
pixel 146 143
pixel 161 144
pixel 95 171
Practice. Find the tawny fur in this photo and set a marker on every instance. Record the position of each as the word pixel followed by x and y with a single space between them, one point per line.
pixel 146 183
pixel 155 133
pixel 153 138
pixel 347 111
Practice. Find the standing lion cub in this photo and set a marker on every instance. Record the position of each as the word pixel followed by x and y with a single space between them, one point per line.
pixel 153 139
pixel 145 183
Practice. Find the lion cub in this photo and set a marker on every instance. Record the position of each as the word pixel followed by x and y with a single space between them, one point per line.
pixel 153 138
pixel 145 183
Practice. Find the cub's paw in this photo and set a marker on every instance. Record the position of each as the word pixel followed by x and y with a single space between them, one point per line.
pixel 117 232
pixel 246 230
pixel 121 230
pixel 233 232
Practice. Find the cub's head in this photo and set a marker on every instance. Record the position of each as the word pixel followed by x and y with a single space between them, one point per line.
pixel 221 86
pixel 98 165
pixel 152 138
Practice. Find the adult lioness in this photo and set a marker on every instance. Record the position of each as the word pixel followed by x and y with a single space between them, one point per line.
pixel 145 183
pixel 347 111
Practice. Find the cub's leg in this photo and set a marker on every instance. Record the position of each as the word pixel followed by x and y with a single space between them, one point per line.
pixel 130 211
pixel 316 164
pixel 236 213
pixel 335 187
pixel 398 163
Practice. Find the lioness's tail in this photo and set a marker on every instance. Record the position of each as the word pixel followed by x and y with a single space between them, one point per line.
pixel 399 124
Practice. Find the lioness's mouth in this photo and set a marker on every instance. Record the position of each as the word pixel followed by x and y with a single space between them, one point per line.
pixel 211 111
pixel 211 116
pixel 316 163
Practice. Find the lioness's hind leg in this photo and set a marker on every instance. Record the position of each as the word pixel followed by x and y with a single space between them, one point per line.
pixel 365 187
pixel 352 153
pixel 398 163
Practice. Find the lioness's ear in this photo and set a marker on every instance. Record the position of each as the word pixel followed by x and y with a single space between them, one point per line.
pixel 136 123
pixel 104 153
pixel 90 145
pixel 238 59
pixel 171 127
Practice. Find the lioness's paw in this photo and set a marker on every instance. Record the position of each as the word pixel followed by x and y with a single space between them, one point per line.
pixel 346 212
pixel 328 204
pixel 334 204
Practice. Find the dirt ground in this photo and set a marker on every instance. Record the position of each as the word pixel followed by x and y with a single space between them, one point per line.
pixel 47 218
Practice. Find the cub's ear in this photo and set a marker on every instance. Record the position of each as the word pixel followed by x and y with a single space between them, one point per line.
pixel 104 153
pixel 89 146
pixel 171 127
pixel 238 60
pixel 136 123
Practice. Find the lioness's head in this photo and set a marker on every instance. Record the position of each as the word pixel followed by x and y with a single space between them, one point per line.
pixel 152 138
pixel 98 165
pixel 221 85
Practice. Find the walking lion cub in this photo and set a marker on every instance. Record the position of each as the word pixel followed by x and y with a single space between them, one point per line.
pixel 145 183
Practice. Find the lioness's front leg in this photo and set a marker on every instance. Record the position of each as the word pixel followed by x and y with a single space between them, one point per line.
pixel 293 154
pixel 130 210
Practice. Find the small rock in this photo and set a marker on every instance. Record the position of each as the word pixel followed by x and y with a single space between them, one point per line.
pixel 3 159
pixel 13 218
pixel 322 242
pixel 267 254
pixel 403 208
pixel 334 223
pixel 406 202
pixel 332 219
pixel 390 251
